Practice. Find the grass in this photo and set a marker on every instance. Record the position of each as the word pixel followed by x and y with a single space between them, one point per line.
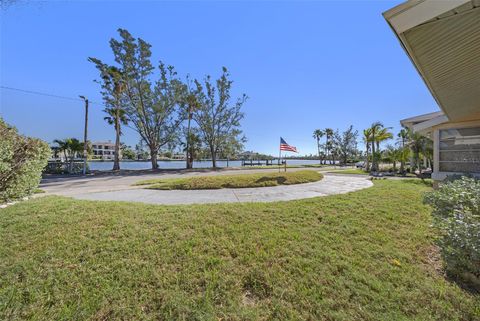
pixel 316 165
pixel 233 181
pixel 360 171
pixel 271 166
pixel 283 166
pixel 38 191
pixel 350 171
pixel 365 255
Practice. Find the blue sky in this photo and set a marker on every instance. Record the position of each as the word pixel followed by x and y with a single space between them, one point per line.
pixel 304 65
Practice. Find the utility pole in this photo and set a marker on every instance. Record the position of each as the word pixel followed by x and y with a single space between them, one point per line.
pixel 85 152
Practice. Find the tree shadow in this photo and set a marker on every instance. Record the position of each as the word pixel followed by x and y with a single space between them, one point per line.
pixel 279 180
pixel 465 283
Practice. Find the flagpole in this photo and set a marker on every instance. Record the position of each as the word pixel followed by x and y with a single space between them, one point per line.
pixel 279 154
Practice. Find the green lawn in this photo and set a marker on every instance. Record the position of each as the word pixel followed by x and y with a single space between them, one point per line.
pixel 234 181
pixel 350 171
pixel 316 165
pixel 366 255
pixel 362 172
pixel 271 166
pixel 283 166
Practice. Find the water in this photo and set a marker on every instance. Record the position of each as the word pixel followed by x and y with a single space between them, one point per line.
pixel 180 164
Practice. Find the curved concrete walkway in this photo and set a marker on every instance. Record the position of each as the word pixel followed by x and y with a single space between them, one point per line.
pixel 329 185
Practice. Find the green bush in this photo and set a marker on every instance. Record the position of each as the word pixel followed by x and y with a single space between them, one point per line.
pixel 22 160
pixel 456 214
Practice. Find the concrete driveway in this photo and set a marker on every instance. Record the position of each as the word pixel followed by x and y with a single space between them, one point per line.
pixel 119 188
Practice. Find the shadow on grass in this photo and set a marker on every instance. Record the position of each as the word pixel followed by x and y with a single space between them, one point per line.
pixel 418 181
pixel 467 282
pixel 279 180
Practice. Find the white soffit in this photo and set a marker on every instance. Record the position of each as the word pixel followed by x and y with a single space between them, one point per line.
pixel 415 12
pixel 420 118
pixel 426 125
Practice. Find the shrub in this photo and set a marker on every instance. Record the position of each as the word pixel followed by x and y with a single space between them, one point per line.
pixel 22 160
pixel 456 214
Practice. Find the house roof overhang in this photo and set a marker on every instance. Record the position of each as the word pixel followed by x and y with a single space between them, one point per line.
pixel 423 123
pixel 442 39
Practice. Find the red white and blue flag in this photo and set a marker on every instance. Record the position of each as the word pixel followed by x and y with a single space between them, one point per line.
pixel 284 146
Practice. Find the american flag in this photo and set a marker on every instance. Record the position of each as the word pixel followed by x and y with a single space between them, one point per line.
pixel 286 147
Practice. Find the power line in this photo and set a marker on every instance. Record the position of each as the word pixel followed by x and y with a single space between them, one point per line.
pixel 45 94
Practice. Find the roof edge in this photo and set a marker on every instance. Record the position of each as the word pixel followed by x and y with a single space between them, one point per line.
pixel 422 118
pixel 412 13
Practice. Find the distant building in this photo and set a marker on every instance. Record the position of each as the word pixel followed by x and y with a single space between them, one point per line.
pixel 103 150
pixel 179 156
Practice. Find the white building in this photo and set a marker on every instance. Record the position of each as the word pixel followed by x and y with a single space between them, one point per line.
pixel 103 150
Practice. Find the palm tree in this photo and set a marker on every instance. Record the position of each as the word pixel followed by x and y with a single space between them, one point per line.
pixel 328 144
pixel 192 105
pixel 71 147
pixel 192 147
pixel 74 148
pixel 379 134
pixel 393 155
pixel 113 86
pixel 416 145
pixel 113 79
pixel 403 136
pixel 62 147
pixel 367 138
pixel 382 136
pixel 428 151
pixel 317 134
pixel 420 146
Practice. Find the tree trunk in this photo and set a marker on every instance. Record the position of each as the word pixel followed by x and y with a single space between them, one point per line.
pixel 374 156
pixel 189 153
pixel 190 159
pixel 116 159
pixel 318 148
pixel 153 155
pixel 367 161
pixel 70 166
pixel 327 150
pixel 214 158
pixel 402 161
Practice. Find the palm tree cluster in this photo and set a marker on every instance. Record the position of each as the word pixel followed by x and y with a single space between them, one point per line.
pixel 341 146
pixel 71 148
pixel 373 137
pixel 409 146
pixel 324 150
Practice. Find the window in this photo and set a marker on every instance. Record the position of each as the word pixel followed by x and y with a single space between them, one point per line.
pixel 459 150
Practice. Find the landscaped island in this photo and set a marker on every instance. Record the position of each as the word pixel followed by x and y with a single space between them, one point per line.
pixel 234 181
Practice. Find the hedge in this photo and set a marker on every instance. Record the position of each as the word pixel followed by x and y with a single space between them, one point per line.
pixel 456 214
pixel 22 160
